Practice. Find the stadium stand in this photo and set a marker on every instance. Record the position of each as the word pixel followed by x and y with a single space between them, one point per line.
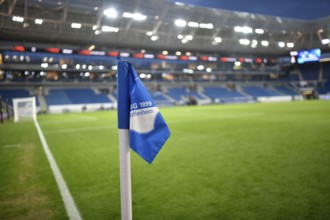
pixel 285 90
pixel 9 94
pixel 257 91
pixel 75 96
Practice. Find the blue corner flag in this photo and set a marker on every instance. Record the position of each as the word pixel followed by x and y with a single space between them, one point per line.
pixel 137 112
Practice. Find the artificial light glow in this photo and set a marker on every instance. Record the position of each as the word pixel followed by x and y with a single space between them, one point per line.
pixel 264 43
pixel 109 29
pixel 64 66
pixel 135 16
pixel 90 67
pixel 38 21
pixel 180 36
pixel 259 31
pixel 254 43
pixel 237 63
pixel 193 24
pixel 206 25
pixel 180 23
pixel 154 37
pixel 325 41
pixel 290 45
pixel 87 74
pixel 149 33
pixel 208 70
pixel 92 47
pixel 97 32
pixel 165 52
pixel 244 41
pixel 188 71
pixel 94 27
pixel 77 66
pixel 18 19
pixel 143 75
pixel 218 39
pixel 294 53
pixel 281 44
pixel 200 67
pixel 44 65
pixel 245 29
pixel 84 66
pixel 76 25
pixel 184 41
pixel 101 67
pixel 110 13
pixel 178 53
pixel 189 37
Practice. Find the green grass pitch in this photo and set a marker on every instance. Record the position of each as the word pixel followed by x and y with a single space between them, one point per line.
pixel 244 161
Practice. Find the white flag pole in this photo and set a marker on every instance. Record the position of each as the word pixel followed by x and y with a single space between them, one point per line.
pixel 125 175
pixel 124 148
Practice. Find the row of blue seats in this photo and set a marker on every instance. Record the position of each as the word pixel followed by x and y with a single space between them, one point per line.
pixel 7 95
pixel 75 96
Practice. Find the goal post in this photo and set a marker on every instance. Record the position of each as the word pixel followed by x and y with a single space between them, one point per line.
pixel 24 108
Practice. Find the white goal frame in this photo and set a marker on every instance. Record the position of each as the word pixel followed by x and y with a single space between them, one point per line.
pixel 33 110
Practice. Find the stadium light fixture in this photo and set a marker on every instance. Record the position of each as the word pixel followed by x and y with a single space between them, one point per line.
pixel 180 22
pixel 244 41
pixel 77 66
pixel 97 32
pixel 265 43
pixel 190 71
pixel 259 31
pixel 154 37
pixel 178 53
pixel 206 25
pixel 94 27
pixel 64 66
pixel 200 67
pixel 254 43
pixel 165 52
pixel 184 41
pixel 208 70
pixel 238 63
pixel 193 24
pixel 218 39
pixel 84 66
pixel 109 29
pixel 325 41
pixel 101 67
pixel 18 19
pixel 281 44
pixel 294 53
pixel 149 33
pixel 110 13
pixel 290 45
pixel 38 21
pixel 76 25
pixel 180 36
pixel 135 16
pixel 44 65
pixel 189 37
pixel 244 29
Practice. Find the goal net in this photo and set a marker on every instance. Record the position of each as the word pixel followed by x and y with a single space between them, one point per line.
pixel 24 108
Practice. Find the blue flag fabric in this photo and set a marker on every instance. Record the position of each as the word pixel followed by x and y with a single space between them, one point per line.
pixel 137 112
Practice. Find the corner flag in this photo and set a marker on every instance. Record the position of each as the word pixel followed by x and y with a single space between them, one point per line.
pixel 137 112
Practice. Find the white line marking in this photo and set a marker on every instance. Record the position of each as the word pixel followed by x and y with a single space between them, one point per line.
pixel 11 145
pixel 80 129
pixel 69 204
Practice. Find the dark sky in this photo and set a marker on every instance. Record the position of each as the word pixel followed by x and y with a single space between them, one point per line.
pixel 298 9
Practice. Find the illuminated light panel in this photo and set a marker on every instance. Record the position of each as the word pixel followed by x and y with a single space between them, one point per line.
pixel 244 41
pixel 110 13
pixel 264 43
pixel 38 21
pixel 281 44
pixel 135 16
pixel 259 31
pixel 180 23
pixel 325 41
pixel 154 37
pixel 244 29
pixel 109 29
pixel 193 24
pixel 76 25
pixel 290 45
pixel 206 25
pixel 18 19
pixel 218 39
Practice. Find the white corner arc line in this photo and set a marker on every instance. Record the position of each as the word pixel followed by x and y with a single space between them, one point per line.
pixel 69 203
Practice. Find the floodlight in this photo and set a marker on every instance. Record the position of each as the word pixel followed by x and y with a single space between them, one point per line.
pixel 180 23
pixel 110 13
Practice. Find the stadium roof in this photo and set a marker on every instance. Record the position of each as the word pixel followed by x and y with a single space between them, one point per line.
pixel 157 24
